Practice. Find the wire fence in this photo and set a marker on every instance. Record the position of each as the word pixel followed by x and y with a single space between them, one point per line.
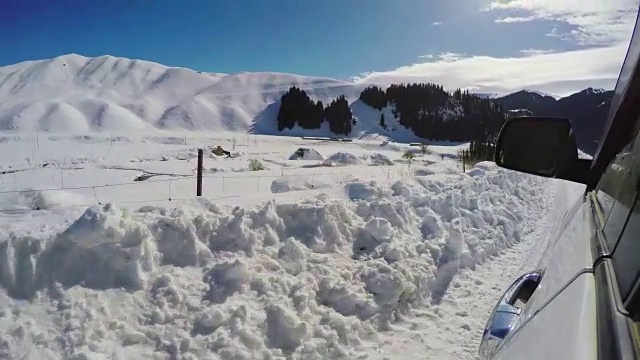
pixel 42 142
pixel 215 186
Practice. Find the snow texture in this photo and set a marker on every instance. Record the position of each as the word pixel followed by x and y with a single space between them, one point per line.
pixel 307 154
pixel 105 253
pixel 318 278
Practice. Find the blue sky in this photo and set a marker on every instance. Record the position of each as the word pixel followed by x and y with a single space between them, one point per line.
pixel 334 38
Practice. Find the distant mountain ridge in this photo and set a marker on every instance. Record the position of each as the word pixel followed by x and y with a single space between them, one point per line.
pixel 73 93
pixel 587 109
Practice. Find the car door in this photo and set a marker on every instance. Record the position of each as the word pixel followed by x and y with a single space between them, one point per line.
pixel 558 321
pixel 617 269
pixel 587 302
pixel 587 305
pixel 583 310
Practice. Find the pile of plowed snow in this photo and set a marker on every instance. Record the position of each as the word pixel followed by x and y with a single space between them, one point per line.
pixel 345 158
pixel 306 154
pixel 297 183
pixel 317 279
pixel 41 199
pixel 448 167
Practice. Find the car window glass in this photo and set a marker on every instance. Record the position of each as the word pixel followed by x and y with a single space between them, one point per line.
pixel 626 257
pixel 624 215
pixel 616 190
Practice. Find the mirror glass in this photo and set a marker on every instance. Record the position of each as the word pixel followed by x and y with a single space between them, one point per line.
pixel 536 145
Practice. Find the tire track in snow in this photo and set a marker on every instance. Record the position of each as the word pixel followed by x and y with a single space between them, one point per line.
pixel 485 285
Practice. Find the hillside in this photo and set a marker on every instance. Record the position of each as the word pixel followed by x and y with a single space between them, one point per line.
pixel 76 94
pixel 73 93
pixel 524 99
pixel 587 109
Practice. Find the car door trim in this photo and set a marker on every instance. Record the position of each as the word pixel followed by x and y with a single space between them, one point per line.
pixel 535 313
pixel 615 337
pixel 599 248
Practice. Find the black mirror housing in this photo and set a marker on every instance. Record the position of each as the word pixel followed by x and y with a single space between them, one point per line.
pixel 543 146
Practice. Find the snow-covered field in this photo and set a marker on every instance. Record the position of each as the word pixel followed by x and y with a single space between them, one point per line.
pixel 350 253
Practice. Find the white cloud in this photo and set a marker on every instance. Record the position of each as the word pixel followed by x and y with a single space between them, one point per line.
pixel 532 52
pixel 596 22
pixel 515 19
pixel 557 73
pixel 603 26
pixel 450 57
pixel 436 23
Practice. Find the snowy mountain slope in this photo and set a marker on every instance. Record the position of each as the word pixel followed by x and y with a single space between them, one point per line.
pixel 73 93
pixel 76 94
pixel 542 93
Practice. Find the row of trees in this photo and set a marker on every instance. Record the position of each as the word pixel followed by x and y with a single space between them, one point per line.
pixel 433 113
pixel 297 108
pixel 427 109
pixel 478 151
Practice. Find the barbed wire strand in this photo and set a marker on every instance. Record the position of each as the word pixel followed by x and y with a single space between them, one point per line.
pixel 17 211
pixel 96 186
pixel 180 178
pixel 99 201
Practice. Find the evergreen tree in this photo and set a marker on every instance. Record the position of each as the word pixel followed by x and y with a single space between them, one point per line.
pixel 296 108
pixel 426 109
pixel 374 97
pixel 382 122
pixel 339 116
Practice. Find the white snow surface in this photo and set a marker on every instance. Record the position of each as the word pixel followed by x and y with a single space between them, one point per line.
pixel 376 258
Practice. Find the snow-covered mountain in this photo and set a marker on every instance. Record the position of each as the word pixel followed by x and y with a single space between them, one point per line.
pixel 77 94
pixel 542 93
pixel 588 110
pixel 72 93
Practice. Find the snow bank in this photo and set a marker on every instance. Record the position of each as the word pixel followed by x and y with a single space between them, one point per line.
pixel 449 167
pixel 306 154
pixel 316 279
pixel 378 159
pixel 297 183
pixel 345 158
pixel 42 199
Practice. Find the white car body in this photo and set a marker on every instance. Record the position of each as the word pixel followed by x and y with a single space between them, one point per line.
pixel 586 299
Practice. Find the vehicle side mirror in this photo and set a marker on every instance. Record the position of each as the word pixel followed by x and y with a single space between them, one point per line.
pixel 543 146
pixel 506 313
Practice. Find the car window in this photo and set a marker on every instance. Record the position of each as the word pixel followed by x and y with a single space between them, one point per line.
pixel 626 257
pixel 616 190
pixel 626 254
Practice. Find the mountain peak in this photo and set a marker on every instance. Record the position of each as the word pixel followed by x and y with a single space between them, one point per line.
pixel 591 90
pixel 542 93
pixel 534 93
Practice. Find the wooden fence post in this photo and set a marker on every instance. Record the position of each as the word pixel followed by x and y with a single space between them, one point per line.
pixel 199 180
pixel 464 155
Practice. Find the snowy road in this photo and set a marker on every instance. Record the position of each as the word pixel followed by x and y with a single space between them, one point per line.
pixel 451 331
